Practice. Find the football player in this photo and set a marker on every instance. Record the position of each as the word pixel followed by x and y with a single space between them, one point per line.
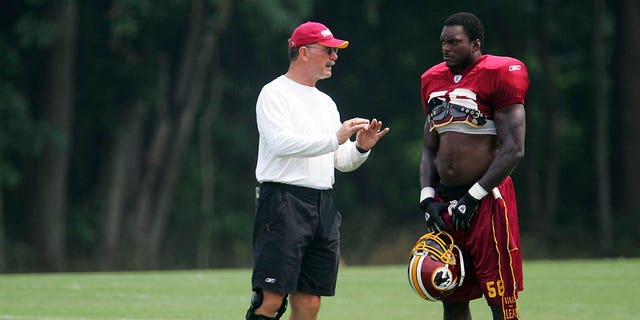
pixel 473 139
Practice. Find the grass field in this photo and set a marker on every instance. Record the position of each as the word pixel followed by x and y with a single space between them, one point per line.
pixel 575 289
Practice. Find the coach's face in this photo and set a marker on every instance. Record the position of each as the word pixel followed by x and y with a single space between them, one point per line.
pixel 458 51
pixel 320 60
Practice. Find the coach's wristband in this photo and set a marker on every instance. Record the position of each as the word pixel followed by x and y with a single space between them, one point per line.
pixel 477 191
pixel 427 192
pixel 361 150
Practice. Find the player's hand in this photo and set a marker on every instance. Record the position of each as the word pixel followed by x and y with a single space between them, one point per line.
pixel 463 211
pixel 433 214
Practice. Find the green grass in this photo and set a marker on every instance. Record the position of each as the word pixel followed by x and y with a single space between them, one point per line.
pixel 575 289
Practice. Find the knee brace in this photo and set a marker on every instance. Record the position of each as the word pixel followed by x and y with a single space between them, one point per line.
pixel 256 302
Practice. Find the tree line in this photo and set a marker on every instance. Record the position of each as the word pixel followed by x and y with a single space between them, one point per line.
pixel 128 136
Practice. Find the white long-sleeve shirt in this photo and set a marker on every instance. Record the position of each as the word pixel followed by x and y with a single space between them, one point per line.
pixel 298 143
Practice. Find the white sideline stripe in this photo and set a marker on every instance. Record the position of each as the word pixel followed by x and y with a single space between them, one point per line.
pixel 12 317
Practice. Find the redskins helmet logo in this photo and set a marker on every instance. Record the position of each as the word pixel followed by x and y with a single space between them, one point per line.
pixel 442 278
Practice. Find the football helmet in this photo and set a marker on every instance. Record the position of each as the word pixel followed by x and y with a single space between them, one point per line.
pixel 436 267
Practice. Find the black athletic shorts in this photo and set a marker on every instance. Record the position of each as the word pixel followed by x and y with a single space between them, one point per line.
pixel 296 240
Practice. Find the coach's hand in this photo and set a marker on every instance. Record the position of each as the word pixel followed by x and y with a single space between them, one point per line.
pixel 433 214
pixel 351 127
pixel 464 211
pixel 369 135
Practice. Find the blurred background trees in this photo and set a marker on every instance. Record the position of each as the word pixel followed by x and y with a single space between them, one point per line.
pixel 128 136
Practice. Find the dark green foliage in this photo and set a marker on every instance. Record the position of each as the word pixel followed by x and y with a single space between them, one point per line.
pixel 121 44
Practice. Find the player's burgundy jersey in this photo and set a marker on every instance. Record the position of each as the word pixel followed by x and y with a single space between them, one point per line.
pixel 471 97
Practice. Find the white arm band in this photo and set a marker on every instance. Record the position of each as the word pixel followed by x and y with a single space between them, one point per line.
pixel 427 192
pixel 477 191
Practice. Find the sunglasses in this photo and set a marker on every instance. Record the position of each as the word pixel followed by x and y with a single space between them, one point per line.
pixel 328 50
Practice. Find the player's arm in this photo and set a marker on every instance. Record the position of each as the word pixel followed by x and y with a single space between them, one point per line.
pixel 429 180
pixel 509 117
pixel 510 126
pixel 428 172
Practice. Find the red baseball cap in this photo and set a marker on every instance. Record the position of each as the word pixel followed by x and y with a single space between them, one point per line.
pixel 315 32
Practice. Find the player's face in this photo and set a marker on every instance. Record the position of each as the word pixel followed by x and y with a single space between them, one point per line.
pixel 322 60
pixel 457 49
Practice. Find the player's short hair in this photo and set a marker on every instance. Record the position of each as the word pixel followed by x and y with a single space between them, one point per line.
pixel 471 24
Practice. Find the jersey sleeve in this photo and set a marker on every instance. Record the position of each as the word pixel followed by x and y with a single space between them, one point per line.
pixel 512 84
pixel 424 89
pixel 434 73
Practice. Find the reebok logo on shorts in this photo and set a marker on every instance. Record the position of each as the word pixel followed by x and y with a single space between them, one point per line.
pixel 270 280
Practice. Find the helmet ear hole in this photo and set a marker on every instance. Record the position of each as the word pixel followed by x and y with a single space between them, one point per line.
pixel 436 266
